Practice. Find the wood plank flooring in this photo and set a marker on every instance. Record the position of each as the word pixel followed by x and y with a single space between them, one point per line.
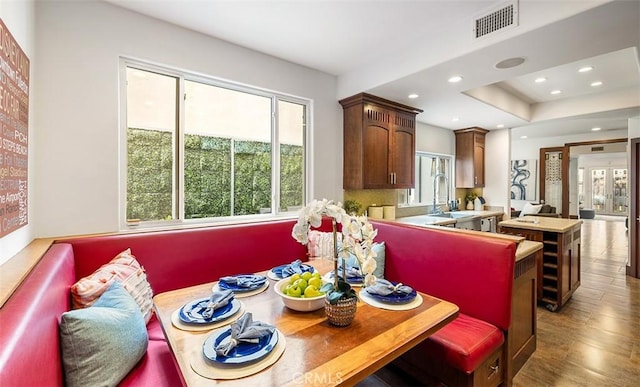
pixel 594 340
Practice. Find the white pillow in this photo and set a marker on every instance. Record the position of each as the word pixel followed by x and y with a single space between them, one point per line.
pixel 321 243
pixel 530 209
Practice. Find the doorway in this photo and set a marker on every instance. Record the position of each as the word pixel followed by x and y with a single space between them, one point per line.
pixel 604 189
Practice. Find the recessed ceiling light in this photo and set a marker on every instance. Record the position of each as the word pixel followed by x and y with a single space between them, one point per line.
pixel 523 136
pixel 509 63
pixel 454 119
pixel 413 96
pixel 596 83
pixel 541 79
pixel 455 78
pixel 585 69
pixel 595 129
pixel 554 92
pixel 500 126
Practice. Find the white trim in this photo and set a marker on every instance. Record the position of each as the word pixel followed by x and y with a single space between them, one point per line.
pixel 178 143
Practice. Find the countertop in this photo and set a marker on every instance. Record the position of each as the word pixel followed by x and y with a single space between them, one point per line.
pixel 541 223
pixel 428 219
pixel 526 248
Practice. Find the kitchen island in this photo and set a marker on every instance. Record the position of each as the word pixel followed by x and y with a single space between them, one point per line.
pixel 559 270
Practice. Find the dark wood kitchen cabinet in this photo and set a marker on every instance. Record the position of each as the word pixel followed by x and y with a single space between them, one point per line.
pixel 470 153
pixel 379 143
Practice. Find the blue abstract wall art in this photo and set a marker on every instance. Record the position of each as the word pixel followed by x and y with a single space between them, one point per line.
pixel 523 179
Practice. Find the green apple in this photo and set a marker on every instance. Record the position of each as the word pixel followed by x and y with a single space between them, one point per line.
pixel 294 278
pixel 294 291
pixel 306 275
pixel 316 274
pixel 301 283
pixel 315 282
pixel 311 291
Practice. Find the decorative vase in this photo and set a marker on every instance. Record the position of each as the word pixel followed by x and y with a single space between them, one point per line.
pixel 470 205
pixel 343 312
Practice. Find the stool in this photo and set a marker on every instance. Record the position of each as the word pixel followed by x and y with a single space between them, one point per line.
pixel 587 213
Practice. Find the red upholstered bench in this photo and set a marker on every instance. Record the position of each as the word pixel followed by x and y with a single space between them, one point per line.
pixel 466 352
pixel 472 271
pixel 475 273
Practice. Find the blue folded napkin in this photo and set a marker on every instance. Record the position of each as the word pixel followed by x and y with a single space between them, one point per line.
pixel 383 287
pixel 352 272
pixel 295 267
pixel 244 281
pixel 244 330
pixel 218 299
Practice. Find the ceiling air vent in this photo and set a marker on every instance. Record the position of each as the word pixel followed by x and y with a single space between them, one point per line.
pixel 502 18
pixel 597 148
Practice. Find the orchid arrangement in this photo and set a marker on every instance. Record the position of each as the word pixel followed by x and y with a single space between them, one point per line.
pixel 357 235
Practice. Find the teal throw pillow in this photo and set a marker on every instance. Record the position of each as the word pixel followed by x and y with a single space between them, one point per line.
pixel 379 249
pixel 102 343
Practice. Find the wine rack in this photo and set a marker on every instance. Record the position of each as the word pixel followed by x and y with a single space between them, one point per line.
pixel 559 269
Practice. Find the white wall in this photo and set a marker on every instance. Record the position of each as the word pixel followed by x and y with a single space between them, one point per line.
pixel 78 46
pixel 497 188
pixel 19 18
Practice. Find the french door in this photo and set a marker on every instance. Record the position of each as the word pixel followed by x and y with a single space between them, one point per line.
pixel 608 190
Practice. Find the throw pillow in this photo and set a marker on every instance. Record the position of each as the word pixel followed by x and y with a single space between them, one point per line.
pixel 321 243
pixel 530 209
pixel 124 268
pixel 102 343
pixel 379 249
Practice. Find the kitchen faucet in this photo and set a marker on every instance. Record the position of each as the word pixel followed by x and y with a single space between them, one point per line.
pixel 436 210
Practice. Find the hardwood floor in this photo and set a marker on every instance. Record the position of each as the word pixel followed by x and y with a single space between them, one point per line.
pixel 594 340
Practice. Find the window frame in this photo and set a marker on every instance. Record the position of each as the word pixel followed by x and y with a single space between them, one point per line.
pixel 406 192
pixel 178 150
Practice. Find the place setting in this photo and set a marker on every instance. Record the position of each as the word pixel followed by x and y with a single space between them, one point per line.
pixel 242 349
pixel 219 309
pixel 389 295
pixel 242 285
pixel 289 269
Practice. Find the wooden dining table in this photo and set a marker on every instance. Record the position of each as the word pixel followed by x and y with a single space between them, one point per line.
pixel 316 353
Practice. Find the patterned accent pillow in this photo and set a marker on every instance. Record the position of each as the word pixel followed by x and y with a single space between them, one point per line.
pixel 321 243
pixel 126 270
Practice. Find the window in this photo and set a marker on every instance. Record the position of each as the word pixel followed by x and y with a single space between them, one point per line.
pixel 198 148
pixel 433 177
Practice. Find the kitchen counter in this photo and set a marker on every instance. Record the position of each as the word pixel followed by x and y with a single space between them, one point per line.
pixel 481 214
pixel 431 220
pixel 541 223
pixel 526 248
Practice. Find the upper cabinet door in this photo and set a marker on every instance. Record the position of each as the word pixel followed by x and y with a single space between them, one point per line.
pixel 404 150
pixel 379 143
pixel 470 153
